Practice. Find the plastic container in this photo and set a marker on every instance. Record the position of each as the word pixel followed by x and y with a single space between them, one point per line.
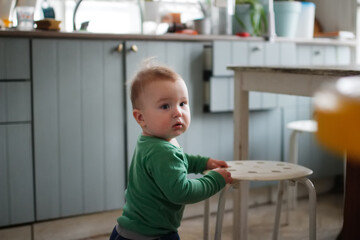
pixel 305 27
pixel 25 17
pixel 286 18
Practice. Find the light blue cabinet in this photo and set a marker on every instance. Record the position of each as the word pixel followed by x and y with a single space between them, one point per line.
pixel 78 127
pixel 16 161
pixel 244 53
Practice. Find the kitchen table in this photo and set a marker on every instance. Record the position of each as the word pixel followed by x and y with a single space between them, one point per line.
pixel 302 81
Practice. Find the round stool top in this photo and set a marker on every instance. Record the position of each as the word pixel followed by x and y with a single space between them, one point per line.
pixel 303 125
pixel 264 170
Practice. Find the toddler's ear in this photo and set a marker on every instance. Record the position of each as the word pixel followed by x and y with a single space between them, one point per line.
pixel 139 117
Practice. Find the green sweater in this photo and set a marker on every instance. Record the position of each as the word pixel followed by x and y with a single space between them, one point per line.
pixel 158 187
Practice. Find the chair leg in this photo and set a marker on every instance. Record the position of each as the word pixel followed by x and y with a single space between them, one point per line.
pixel 312 206
pixel 220 212
pixel 278 210
pixel 206 219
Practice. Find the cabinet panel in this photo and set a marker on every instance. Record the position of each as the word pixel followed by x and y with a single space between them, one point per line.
pixel 330 55
pixel 15 101
pixel 46 145
pixel 303 55
pixel 240 54
pixel 220 89
pixel 92 125
pixel 222 57
pixel 271 54
pixel 70 126
pixel 287 54
pixel 344 55
pixel 14 59
pixel 83 139
pixel 16 175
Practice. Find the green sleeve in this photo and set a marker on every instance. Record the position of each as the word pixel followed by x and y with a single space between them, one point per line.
pixel 197 164
pixel 169 171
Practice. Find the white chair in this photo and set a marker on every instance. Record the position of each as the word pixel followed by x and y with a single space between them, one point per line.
pixel 256 170
pixel 297 128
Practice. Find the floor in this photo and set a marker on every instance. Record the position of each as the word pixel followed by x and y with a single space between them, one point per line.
pixel 98 226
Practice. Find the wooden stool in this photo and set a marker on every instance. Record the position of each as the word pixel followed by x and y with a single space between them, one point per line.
pixel 257 170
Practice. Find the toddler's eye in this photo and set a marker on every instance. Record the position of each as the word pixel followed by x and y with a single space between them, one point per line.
pixel 165 106
pixel 182 104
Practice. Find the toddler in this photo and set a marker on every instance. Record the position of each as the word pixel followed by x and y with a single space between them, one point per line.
pixel 158 187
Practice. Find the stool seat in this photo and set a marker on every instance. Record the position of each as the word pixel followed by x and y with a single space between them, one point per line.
pixel 244 171
pixel 303 126
pixel 257 170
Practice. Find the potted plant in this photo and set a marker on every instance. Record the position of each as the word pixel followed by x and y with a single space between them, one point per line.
pixel 286 17
pixel 249 16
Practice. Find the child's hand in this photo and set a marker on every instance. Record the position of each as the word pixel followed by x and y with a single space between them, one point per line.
pixel 213 163
pixel 226 174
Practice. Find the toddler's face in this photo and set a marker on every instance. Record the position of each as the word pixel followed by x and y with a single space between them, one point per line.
pixel 165 109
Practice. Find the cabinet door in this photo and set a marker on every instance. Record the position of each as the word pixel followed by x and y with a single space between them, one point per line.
pixel 16 175
pixel 15 101
pixel 78 127
pixel 14 59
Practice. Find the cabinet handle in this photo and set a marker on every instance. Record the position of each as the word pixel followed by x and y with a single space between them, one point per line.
pixel 134 48
pixel 255 49
pixel 120 47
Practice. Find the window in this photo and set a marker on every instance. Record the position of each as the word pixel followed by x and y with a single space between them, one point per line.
pixel 115 16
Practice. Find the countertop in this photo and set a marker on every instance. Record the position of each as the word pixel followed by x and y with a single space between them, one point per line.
pixel 165 37
pixel 306 70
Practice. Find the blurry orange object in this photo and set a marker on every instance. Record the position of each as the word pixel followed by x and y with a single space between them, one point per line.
pixel 337 111
pixel 7 22
pixel 176 17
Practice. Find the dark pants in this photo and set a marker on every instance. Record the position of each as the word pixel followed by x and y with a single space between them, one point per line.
pixel 171 236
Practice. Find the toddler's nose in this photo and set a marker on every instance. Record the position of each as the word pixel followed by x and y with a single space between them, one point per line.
pixel 176 112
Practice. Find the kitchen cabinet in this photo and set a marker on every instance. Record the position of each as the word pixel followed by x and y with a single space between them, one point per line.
pixel 16 171
pixel 14 59
pixel 246 54
pixel 78 126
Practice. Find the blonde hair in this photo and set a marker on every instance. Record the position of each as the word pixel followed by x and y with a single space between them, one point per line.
pixel 149 73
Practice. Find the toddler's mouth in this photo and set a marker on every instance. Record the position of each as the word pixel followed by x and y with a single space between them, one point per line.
pixel 178 125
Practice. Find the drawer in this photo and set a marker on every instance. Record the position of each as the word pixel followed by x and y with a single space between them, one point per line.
pixel 14 59
pixel 15 102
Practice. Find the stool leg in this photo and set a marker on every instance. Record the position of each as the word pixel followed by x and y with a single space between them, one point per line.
pixel 206 219
pixel 241 205
pixel 312 206
pixel 293 158
pixel 278 210
pixel 220 212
